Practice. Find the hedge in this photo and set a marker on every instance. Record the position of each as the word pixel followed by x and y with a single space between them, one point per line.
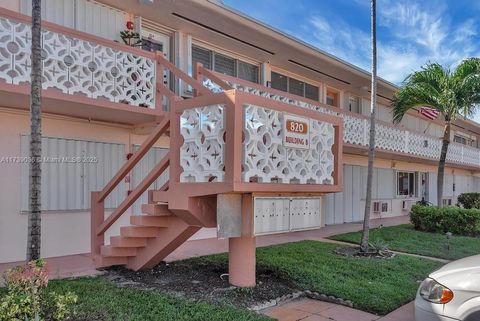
pixel 453 219
pixel 469 200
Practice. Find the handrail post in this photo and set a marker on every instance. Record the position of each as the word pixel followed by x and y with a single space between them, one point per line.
pixel 197 75
pixel 96 219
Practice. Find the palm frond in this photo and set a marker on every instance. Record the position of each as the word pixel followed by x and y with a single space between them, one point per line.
pixel 466 85
pixel 421 88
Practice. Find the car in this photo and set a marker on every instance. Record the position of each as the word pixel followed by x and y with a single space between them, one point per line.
pixel 451 293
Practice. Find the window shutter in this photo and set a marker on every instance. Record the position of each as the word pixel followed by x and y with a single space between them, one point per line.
pixel 247 71
pixel 224 65
pixel 202 56
pixel 75 168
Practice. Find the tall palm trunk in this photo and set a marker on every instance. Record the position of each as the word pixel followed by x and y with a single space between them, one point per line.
pixel 441 162
pixel 34 218
pixel 371 145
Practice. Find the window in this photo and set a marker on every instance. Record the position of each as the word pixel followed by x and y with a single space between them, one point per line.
pixel 354 104
pixel 202 56
pixel 151 46
pixel 311 92
pixel 406 182
pixel 332 98
pixel 279 81
pixel 224 64
pixel 294 86
pixel 462 140
pixel 247 71
pixel 73 169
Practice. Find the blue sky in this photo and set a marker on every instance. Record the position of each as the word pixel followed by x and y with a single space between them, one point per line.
pixel 410 33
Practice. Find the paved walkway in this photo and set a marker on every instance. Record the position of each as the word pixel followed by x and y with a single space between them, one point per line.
pixel 82 265
pixel 313 310
pixel 212 246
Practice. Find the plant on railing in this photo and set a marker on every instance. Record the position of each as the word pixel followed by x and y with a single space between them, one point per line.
pixel 27 297
pixel 130 37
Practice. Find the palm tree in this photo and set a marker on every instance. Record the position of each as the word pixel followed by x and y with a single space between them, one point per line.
pixel 371 145
pixel 34 219
pixel 451 92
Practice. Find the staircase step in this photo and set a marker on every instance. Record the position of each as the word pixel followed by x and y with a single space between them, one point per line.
pixel 113 251
pixel 156 209
pixel 158 248
pixel 147 220
pixel 104 262
pixel 121 241
pixel 139 231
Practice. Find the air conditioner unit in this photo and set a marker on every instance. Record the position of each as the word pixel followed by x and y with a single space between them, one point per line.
pixel 447 201
pixel 376 207
pixel 406 205
pixel 384 207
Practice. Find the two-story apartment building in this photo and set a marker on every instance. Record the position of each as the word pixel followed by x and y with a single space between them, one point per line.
pixel 102 99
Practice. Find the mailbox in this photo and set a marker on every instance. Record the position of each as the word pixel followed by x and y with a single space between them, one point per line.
pixel 285 214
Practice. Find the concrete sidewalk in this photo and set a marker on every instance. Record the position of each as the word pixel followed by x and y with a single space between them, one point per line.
pixel 82 264
pixel 211 246
pixel 313 310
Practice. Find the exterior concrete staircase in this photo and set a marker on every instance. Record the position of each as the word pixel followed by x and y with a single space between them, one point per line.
pixel 171 216
pixel 148 240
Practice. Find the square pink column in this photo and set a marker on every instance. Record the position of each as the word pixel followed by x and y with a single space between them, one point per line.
pixel 241 261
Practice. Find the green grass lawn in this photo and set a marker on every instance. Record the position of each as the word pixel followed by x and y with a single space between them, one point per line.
pixel 101 300
pixel 373 285
pixel 405 238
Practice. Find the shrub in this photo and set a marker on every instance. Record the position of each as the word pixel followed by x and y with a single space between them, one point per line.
pixel 459 221
pixel 469 200
pixel 27 297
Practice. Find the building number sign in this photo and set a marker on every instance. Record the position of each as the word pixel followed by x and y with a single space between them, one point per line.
pixel 296 132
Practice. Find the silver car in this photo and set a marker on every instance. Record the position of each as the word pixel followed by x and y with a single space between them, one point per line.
pixel 451 293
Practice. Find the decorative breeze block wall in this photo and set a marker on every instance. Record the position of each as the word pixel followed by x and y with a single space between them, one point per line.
pixel 267 160
pixel 77 66
pixel 202 154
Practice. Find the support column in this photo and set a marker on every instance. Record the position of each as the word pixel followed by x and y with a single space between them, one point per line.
pixel 241 261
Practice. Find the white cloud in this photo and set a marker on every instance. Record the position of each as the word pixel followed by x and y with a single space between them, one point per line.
pixel 418 32
pixel 339 39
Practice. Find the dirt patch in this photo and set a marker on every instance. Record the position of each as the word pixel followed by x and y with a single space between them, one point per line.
pixel 357 253
pixel 204 282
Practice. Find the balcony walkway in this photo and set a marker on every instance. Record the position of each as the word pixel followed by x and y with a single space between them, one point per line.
pixel 82 265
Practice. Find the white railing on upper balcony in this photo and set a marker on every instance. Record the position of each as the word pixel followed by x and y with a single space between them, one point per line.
pixel 357 127
pixel 77 66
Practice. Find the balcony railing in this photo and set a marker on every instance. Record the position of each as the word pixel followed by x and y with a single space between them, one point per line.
pixel 389 137
pixel 77 63
pixel 237 141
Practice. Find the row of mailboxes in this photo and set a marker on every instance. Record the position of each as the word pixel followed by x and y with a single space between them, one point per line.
pixel 286 214
pixel 267 214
